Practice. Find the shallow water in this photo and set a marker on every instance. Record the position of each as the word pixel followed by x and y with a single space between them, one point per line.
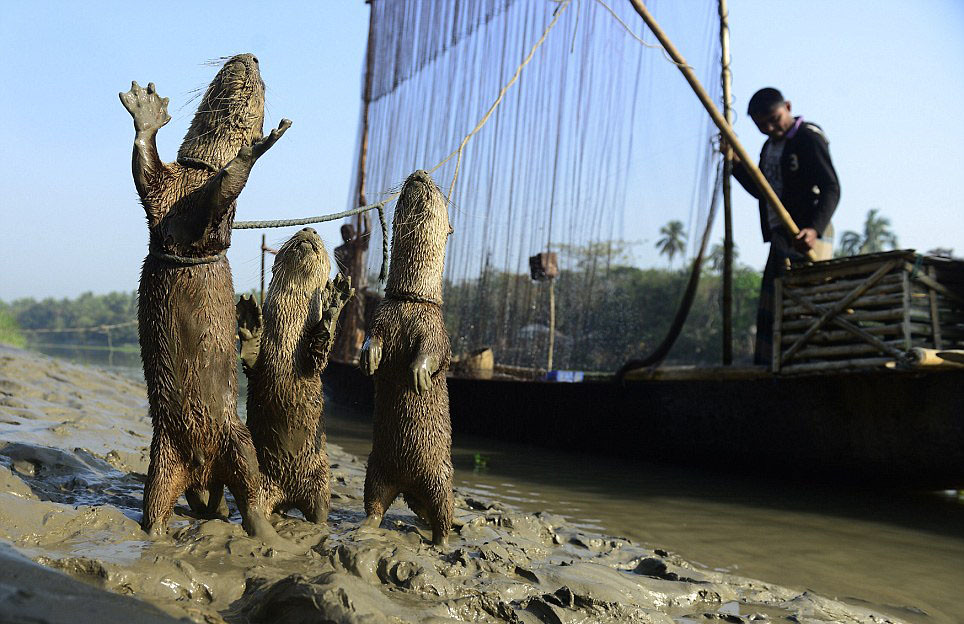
pixel 898 552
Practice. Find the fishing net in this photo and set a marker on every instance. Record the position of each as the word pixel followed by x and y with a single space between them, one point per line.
pixel 587 142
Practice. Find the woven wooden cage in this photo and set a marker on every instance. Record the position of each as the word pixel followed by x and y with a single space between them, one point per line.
pixel 866 311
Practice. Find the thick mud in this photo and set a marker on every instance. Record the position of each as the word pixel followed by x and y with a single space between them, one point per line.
pixel 73 453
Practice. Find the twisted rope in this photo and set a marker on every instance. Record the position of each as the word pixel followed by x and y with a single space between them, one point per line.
pixel 380 207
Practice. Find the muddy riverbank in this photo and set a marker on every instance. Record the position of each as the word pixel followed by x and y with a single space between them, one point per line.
pixel 73 453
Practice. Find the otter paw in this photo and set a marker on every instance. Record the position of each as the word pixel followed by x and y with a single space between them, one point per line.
pixel 148 109
pixel 155 530
pixel 370 356
pixel 250 319
pixel 341 290
pixel 422 369
pixel 257 149
pixel 259 527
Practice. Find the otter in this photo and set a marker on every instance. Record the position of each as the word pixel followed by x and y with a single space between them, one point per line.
pixel 186 315
pixel 284 352
pixel 407 351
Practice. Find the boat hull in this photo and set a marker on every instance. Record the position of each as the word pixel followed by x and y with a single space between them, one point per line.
pixel 875 427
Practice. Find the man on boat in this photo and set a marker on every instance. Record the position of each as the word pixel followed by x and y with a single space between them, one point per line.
pixel 796 162
pixel 350 258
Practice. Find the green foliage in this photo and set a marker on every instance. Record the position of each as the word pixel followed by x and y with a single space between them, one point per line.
pixel 673 240
pixel 605 315
pixel 89 311
pixel 877 236
pixel 9 329
pixel 716 256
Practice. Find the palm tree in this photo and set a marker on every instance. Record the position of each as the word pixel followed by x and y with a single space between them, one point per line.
pixel 717 254
pixel 673 240
pixel 877 236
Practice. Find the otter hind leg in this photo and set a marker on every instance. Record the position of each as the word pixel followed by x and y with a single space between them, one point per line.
pixel 418 507
pixel 316 510
pixel 167 477
pixel 439 508
pixel 217 506
pixel 238 468
pixel 208 502
pixel 380 493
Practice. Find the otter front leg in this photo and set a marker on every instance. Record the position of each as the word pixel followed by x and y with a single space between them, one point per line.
pixel 371 355
pixel 250 323
pixel 150 114
pixel 339 292
pixel 423 368
pixel 228 183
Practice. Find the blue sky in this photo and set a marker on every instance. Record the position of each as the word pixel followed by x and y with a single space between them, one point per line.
pixel 884 79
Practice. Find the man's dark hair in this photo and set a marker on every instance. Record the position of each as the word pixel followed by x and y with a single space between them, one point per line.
pixel 763 101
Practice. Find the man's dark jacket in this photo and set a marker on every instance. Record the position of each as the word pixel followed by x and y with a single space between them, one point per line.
pixel 810 186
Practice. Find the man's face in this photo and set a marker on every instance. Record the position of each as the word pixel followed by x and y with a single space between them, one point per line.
pixel 776 123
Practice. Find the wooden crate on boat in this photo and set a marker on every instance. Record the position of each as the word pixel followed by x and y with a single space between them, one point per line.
pixel 865 311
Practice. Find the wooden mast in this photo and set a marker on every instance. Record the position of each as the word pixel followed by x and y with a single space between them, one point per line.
pixel 347 339
pixel 726 77
pixel 721 123
pixel 366 101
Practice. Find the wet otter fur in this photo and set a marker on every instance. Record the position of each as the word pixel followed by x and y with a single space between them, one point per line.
pixel 408 351
pixel 186 315
pixel 285 403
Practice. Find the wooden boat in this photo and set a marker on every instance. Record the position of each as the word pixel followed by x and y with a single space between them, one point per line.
pixel 856 410
pixel 835 419
pixel 880 426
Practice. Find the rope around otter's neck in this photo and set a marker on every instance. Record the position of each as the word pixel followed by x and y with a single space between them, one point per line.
pixel 409 297
pixel 184 260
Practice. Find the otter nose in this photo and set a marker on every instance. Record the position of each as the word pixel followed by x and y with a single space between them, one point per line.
pixel 254 58
pixel 308 229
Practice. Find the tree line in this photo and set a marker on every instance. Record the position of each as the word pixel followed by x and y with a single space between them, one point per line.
pixel 604 318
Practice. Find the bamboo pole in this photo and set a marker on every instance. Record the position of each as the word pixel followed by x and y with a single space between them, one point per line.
pixel 726 77
pixel 264 247
pixel 552 322
pixel 720 122
pixel 363 149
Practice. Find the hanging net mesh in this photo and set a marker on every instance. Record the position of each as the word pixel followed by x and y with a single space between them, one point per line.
pixel 594 148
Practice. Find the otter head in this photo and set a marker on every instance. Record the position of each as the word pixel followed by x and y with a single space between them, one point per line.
pixel 299 274
pixel 230 116
pixel 302 263
pixel 420 230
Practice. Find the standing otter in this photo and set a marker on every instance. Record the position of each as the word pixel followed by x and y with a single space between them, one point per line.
pixel 186 316
pixel 283 363
pixel 408 352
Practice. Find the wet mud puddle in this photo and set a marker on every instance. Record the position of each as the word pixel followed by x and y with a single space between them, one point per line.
pixel 536 539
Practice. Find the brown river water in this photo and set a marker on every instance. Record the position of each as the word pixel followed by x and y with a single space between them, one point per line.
pixel 898 552
pixel 894 551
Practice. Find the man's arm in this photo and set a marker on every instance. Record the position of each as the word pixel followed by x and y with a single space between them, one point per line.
pixel 740 173
pixel 824 176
